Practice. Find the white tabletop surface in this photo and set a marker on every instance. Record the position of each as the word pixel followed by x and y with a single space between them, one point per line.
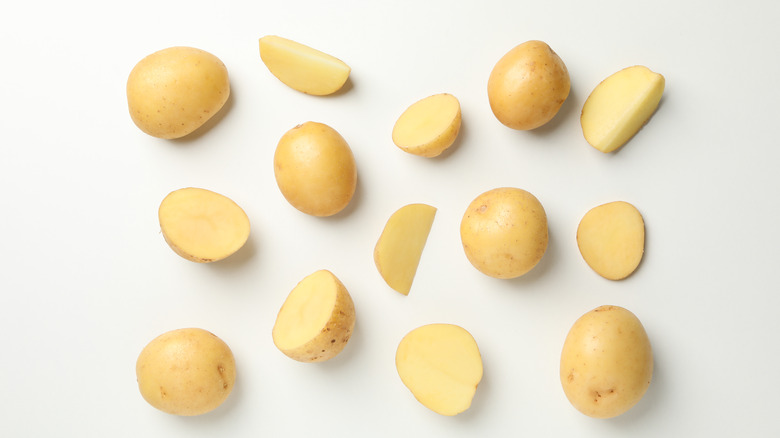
pixel 87 279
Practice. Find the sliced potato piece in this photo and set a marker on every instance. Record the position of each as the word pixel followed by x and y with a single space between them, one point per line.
pixel 611 238
pixel 619 106
pixel 429 126
pixel 202 226
pixel 302 68
pixel 441 365
pixel 399 248
pixel 316 320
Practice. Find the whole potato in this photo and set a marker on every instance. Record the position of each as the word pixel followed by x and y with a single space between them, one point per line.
pixel 504 232
pixel 186 372
pixel 528 85
pixel 174 91
pixel 315 169
pixel 606 362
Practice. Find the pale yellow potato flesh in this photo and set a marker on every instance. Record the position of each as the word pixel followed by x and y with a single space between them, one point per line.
pixel 504 232
pixel 611 239
pixel 441 365
pixel 186 372
pixel 316 320
pixel 398 251
pixel 174 91
pixel 315 169
pixel 619 106
pixel 606 362
pixel 429 126
pixel 303 68
pixel 202 226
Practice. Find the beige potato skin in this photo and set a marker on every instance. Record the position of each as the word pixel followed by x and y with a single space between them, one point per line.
pixel 528 86
pixel 504 232
pixel 606 362
pixel 334 335
pixel 186 372
pixel 174 91
pixel 315 169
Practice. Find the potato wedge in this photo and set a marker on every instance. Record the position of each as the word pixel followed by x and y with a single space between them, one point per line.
pixel 429 126
pixel 441 365
pixel 302 68
pixel 316 320
pixel 399 248
pixel 619 106
pixel 611 238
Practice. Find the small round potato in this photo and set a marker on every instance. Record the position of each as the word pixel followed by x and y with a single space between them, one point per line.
pixel 315 169
pixel 186 372
pixel 528 86
pixel 173 92
pixel 504 232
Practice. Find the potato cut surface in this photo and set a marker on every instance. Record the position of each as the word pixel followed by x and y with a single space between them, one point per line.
pixel 429 126
pixel 399 248
pixel 303 68
pixel 441 365
pixel 611 238
pixel 619 106
pixel 201 225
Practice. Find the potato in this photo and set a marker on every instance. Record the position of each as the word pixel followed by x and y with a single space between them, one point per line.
pixel 186 372
pixel 316 320
pixel 398 251
pixel 528 86
pixel 173 92
pixel 619 106
pixel 202 226
pixel 611 238
pixel 315 169
pixel 302 68
pixel 606 362
pixel 441 365
pixel 504 232
pixel 428 127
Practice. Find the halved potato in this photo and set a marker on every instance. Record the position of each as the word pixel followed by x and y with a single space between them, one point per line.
pixel 399 248
pixel 429 126
pixel 619 106
pixel 441 365
pixel 201 225
pixel 302 68
pixel 316 320
pixel 611 238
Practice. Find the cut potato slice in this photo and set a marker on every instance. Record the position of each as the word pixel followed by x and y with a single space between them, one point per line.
pixel 316 320
pixel 202 226
pixel 619 106
pixel 429 126
pixel 441 365
pixel 302 68
pixel 399 248
pixel 611 238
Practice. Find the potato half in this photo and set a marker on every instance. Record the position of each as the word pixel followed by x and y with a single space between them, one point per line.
pixel 611 239
pixel 441 365
pixel 202 226
pixel 429 126
pixel 174 91
pixel 316 320
pixel 186 372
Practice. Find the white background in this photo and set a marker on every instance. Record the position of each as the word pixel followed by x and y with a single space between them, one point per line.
pixel 87 279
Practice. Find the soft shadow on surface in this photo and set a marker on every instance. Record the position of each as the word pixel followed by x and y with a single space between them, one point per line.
pixel 462 134
pixel 541 269
pixel 653 397
pixel 568 111
pixel 647 122
pixel 354 203
pixel 481 396
pixel 210 123
pixel 238 259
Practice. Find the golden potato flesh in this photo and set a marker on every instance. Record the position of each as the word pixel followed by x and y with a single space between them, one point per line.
pixel 186 372
pixel 611 239
pixel 173 92
pixel 315 169
pixel 316 320
pixel 428 127
pixel 528 86
pixel 606 362
pixel 504 232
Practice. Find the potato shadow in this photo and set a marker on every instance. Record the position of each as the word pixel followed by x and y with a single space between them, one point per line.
pixel 210 123
pixel 564 114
